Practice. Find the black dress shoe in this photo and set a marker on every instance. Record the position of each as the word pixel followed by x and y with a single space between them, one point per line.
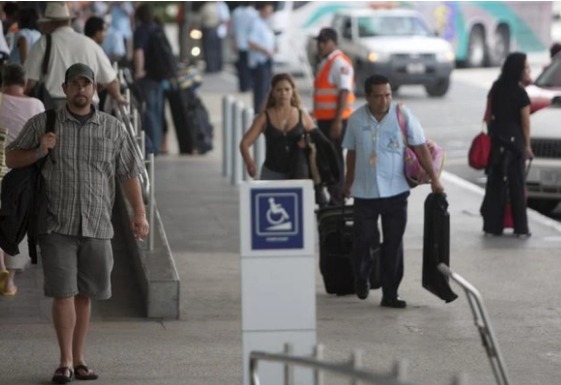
pixel 362 289
pixel 396 303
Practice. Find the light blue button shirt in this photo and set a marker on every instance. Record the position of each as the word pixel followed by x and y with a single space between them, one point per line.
pixel 262 35
pixel 242 19
pixel 380 140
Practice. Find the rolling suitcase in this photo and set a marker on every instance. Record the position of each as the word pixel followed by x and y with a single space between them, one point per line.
pixel 335 227
pixel 436 246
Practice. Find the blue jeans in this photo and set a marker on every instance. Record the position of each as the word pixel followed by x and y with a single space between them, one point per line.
pixel 393 212
pixel 152 121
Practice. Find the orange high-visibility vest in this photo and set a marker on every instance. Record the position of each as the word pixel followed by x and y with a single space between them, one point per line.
pixel 326 94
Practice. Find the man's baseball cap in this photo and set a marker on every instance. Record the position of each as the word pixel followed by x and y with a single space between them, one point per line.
pixel 79 70
pixel 327 34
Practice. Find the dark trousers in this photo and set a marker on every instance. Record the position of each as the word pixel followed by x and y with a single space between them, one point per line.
pixel 261 77
pixel 244 74
pixel 336 190
pixel 152 121
pixel 505 183
pixel 212 49
pixel 393 213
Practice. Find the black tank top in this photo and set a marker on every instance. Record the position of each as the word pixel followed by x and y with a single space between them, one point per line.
pixel 282 147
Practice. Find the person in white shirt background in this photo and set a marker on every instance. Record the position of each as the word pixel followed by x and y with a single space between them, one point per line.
pixel 262 47
pixel 242 19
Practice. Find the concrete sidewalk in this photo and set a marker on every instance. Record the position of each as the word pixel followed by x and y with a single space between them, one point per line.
pixel 199 208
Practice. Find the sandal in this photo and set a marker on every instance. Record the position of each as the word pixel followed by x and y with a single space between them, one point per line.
pixel 82 372
pixel 60 376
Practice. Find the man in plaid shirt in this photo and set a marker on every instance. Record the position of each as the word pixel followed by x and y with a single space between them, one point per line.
pixel 88 149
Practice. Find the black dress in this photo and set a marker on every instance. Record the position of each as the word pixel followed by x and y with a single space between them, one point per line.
pixel 506 170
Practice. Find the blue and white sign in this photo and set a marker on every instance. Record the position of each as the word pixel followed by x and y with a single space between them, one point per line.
pixel 276 219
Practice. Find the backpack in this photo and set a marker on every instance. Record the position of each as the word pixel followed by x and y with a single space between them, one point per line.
pixel 160 63
pixel 23 208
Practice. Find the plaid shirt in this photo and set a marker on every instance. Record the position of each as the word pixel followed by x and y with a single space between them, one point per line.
pixel 80 183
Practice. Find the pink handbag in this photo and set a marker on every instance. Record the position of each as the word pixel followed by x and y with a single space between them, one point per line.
pixel 414 172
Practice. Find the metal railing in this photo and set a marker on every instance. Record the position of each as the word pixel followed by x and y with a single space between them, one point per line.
pixel 130 117
pixel 483 325
pixel 351 369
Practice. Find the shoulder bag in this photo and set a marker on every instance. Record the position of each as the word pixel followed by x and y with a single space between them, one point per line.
pixel 40 90
pixel 413 170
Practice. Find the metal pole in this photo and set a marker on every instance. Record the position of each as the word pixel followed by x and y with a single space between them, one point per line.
pixel 288 370
pixel 460 379
pixel 400 370
pixel 227 107
pixel 259 152
pixel 247 119
pixel 128 98
pixel 237 167
pixel 152 202
pixel 356 363
pixel 318 355
pixel 135 124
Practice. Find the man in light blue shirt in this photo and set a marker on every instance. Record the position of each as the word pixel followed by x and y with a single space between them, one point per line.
pixel 375 178
pixel 262 47
pixel 242 19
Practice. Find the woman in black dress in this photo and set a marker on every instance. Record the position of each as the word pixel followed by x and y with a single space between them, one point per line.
pixel 509 129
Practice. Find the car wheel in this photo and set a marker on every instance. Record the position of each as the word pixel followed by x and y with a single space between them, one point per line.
pixel 501 48
pixel 544 206
pixel 477 49
pixel 440 88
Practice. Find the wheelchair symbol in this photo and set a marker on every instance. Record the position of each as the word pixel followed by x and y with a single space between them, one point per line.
pixel 276 214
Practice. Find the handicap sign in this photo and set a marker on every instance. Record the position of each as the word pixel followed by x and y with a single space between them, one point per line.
pixel 276 218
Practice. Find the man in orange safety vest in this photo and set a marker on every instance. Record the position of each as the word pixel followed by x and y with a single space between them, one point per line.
pixel 333 98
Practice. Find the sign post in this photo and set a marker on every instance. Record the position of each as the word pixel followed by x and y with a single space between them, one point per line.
pixel 278 273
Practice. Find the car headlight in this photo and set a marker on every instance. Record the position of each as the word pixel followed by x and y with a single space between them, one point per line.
pixel 376 57
pixel 445 56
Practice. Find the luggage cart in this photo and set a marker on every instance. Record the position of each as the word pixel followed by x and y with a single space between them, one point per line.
pixel 483 325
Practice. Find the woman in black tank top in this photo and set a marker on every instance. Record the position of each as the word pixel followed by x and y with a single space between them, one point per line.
pixel 284 124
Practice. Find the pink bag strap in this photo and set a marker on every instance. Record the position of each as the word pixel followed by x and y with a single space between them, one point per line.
pixel 402 123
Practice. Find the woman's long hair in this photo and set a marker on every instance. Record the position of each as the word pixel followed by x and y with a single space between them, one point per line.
pixel 513 68
pixel 294 101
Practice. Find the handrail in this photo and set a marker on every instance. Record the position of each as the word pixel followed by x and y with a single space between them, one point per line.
pixel 482 323
pixel 129 116
pixel 346 369
pixel 144 176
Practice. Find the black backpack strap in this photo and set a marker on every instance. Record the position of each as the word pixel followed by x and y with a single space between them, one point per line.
pixel 51 119
pixel 49 127
pixel 45 65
